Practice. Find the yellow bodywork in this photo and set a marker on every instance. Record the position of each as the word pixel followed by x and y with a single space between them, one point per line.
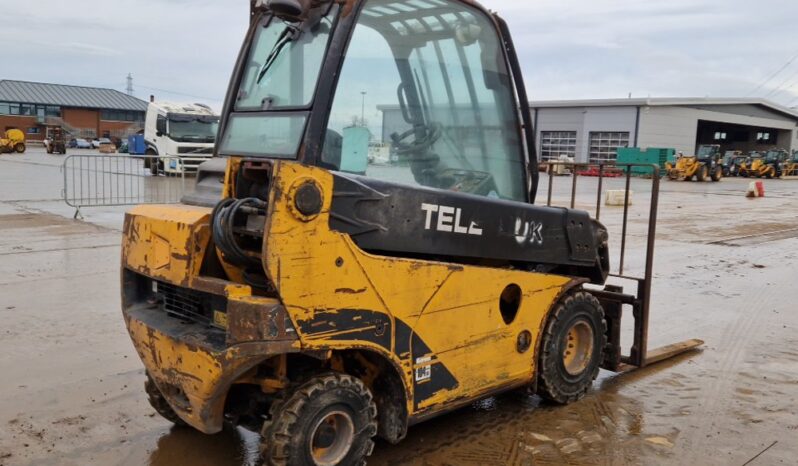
pixel 13 141
pixel 757 168
pixel 427 318
pixel 685 168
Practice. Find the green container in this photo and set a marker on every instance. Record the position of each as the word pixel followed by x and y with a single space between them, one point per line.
pixel 652 156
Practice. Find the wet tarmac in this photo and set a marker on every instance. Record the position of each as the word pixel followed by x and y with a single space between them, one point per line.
pixel 725 266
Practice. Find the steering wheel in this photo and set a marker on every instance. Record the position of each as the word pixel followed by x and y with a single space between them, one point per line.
pixel 434 132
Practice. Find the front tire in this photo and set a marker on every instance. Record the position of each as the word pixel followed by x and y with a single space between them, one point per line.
pixel 702 174
pixel 20 148
pixel 329 420
pixel 160 405
pixel 717 174
pixel 572 348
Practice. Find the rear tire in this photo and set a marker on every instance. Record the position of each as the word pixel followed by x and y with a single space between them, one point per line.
pixel 331 419
pixel 572 348
pixel 20 148
pixel 160 405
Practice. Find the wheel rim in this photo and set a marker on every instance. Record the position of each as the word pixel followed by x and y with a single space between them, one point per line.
pixel 331 438
pixel 577 348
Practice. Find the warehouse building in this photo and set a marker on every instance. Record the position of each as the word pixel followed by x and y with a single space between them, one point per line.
pixel 592 130
pixel 84 112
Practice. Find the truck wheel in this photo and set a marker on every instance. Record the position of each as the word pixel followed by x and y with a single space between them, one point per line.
pixel 717 174
pixel 572 348
pixel 159 403
pixel 151 162
pixel 329 420
pixel 20 148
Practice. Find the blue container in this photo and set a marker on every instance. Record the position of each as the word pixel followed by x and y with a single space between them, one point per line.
pixel 136 144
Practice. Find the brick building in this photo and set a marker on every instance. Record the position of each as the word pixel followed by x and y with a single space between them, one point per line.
pixel 84 112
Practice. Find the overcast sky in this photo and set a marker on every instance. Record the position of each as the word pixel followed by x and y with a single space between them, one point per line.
pixel 184 49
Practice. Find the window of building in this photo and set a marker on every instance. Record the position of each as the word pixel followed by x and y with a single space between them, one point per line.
pixel 604 145
pixel 17 109
pixel 121 115
pixel 27 109
pixel 33 130
pixel 553 144
pixel 764 138
pixel 719 136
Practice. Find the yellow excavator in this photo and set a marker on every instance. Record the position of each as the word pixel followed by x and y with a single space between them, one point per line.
pixel 323 296
pixel 14 141
pixel 706 164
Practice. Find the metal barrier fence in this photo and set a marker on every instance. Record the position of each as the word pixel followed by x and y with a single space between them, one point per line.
pixel 122 180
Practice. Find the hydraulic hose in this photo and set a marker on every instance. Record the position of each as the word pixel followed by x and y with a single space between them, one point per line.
pixel 223 221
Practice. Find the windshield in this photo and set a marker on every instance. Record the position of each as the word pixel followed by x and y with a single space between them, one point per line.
pixel 284 63
pixel 706 151
pixel 425 98
pixel 281 72
pixel 193 129
pixel 772 156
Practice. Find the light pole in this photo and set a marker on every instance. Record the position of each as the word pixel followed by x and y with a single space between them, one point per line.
pixel 363 110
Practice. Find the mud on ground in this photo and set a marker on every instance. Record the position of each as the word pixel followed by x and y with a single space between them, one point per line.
pixel 73 393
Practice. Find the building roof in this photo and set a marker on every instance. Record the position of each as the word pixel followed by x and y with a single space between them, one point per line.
pixel 665 102
pixel 68 96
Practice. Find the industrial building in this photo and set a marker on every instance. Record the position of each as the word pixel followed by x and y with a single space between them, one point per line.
pixel 85 112
pixel 592 130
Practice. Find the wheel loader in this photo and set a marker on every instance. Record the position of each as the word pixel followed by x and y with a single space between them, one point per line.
pixel 322 299
pixel 706 164
pixel 13 141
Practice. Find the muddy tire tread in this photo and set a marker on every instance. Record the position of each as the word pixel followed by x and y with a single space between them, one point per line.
pixel 547 388
pixel 160 405
pixel 284 415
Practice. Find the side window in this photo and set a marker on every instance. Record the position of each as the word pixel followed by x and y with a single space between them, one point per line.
pixel 425 99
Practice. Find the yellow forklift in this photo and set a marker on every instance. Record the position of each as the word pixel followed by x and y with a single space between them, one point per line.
pixel 322 296
pixel 706 164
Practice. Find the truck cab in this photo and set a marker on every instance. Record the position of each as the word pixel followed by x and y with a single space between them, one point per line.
pixel 182 136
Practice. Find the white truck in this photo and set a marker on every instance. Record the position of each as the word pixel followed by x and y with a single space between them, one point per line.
pixel 182 136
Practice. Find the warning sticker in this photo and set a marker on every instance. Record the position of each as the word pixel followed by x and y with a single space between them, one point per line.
pixel 425 372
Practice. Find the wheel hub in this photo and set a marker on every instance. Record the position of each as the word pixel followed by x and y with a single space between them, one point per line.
pixel 331 438
pixel 577 348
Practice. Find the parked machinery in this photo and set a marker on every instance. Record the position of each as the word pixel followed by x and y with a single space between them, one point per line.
pixel 55 141
pixel 791 165
pixel 732 162
pixel 769 165
pixel 13 141
pixel 706 164
pixel 322 301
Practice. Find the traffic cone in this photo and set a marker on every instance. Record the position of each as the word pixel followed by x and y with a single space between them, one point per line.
pixel 756 189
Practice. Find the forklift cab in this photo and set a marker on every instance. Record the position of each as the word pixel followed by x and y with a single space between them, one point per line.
pixel 425 97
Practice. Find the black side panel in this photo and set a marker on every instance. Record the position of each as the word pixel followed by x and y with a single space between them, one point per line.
pixel 349 325
pixel 405 221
